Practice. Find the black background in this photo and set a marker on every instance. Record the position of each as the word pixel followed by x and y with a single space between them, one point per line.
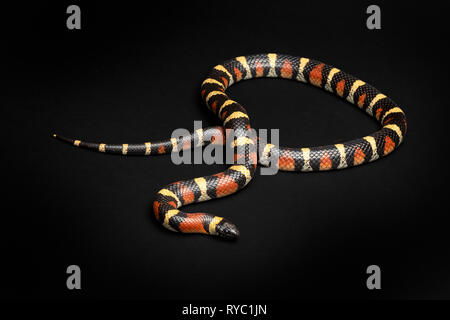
pixel 133 72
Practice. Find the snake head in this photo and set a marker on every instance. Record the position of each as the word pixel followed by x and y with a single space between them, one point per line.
pixel 225 229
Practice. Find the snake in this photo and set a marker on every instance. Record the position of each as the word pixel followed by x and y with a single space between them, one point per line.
pixel 248 152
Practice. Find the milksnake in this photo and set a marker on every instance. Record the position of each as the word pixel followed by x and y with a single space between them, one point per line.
pixel 233 116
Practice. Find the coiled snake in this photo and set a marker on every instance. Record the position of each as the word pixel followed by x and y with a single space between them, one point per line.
pixel 233 116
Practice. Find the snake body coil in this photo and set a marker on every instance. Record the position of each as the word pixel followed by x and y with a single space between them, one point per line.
pixel 234 116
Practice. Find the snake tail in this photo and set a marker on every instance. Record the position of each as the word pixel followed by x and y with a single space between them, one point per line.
pixel 198 138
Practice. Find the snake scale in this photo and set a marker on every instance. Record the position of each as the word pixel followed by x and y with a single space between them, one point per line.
pixel 233 116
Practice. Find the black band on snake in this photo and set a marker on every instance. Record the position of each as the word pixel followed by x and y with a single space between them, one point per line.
pixel 234 116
